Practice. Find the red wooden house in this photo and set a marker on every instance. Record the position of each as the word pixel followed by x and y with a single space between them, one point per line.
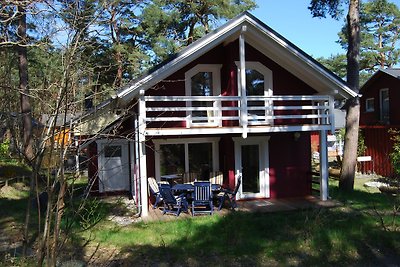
pixel 242 100
pixel 378 114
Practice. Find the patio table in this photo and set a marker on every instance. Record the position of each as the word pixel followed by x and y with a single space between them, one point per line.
pixel 171 178
pixel 190 187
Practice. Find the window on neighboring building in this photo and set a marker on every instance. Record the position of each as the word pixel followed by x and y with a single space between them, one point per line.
pixel 369 105
pixel 203 80
pixel 384 105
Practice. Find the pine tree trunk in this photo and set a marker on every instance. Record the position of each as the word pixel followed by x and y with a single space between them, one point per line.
pixel 26 116
pixel 346 182
pixel 23 87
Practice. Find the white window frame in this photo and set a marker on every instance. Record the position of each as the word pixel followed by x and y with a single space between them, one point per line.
pixel 368 106
pixel 186 141
pixel 268 86
pixel 215 69
pixel 380 104
pixel 263 143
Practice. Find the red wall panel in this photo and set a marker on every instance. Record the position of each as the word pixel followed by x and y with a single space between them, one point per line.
pixel 379 146
pixel 372 91
pixel 290 165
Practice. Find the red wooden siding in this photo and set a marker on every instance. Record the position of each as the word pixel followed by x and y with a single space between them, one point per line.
pixel 377 138
pixel 290 165
pixel 284 83
pixel 379 146
pixel 372 91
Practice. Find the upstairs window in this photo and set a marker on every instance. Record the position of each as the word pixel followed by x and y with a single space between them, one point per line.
pixel 203 80
pixel 369 105
pixel 258 83
pixel 201 85
pixel 384 105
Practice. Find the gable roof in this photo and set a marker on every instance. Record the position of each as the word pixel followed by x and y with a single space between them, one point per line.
pixel 391 72
pixel 258 35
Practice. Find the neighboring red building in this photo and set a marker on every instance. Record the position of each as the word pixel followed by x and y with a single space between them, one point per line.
pixel 378 114
pixel 242 100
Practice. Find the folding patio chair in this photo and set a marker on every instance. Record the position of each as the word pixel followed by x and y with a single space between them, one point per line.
pixel 172 204
pixel 154 190
pixel 202 198
pixel 230 195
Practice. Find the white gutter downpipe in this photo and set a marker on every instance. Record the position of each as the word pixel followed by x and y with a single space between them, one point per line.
pixel 242 77
pixel 142 155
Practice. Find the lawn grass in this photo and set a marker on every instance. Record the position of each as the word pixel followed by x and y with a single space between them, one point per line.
pixel 348 235
pixel 352 234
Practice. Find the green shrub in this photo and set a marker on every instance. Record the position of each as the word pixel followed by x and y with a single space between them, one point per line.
pixel 5 149
pixel 395 155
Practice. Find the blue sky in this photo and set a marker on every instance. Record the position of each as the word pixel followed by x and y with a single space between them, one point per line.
pixel 293 20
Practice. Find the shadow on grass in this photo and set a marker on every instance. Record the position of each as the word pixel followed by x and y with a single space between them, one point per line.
pixel 315 237
pixel 305 238
pixel 10 171
pixel 331 237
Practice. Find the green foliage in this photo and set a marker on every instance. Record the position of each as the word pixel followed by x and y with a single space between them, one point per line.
pixel 335 63
pixel 166 26
pixel 361 147
pixel 379 46
pixel 92 212
pixel 337 236
pixel 395 154
pixel 380 26
pixel 5 149
pixel 88 213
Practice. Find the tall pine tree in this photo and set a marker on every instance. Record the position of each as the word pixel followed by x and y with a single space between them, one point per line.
pixel 320 8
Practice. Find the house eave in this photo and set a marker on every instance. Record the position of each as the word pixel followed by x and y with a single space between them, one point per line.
pixel 279 49
pixel 289 55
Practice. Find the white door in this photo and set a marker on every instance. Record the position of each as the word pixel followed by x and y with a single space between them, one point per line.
pixel 251 163
pixel 113 165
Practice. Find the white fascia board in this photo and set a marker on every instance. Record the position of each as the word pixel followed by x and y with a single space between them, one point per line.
pixel 291 54
pixel 222 34
pixel 194 51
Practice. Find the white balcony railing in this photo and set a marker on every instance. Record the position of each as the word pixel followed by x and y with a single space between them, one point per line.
pixel 226 111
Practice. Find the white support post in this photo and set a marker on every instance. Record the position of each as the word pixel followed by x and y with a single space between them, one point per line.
pixel 242 78
pixel 323 164
pixel 142 156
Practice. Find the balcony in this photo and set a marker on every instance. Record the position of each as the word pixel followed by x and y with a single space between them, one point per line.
pixel 180 115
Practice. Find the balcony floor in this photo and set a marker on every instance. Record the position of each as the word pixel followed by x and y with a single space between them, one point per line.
pixel 235 129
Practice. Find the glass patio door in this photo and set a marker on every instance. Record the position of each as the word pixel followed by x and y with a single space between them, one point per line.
pixel 250 170
pixel 251 163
